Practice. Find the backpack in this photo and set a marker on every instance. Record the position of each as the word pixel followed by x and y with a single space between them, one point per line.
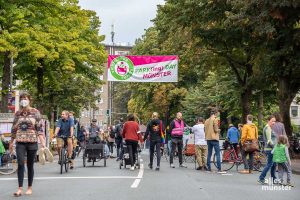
pixel 119 130
pixel 112 133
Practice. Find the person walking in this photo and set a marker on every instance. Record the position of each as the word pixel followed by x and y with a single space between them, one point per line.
pixel 119 139
pixel 26 130
pixel 212 135
pixel 249 132
pixel 154 130
pixel 131 136
pixel 278 127
pixel 176 132
pixel 269 140
pixel 200 143
pixel 111 139
pixel 282 158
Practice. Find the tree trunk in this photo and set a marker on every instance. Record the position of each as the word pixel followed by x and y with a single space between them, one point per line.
pixel 5 83
pixel 245 103
pixel 286 94
pixel 40 88
pixel 260 109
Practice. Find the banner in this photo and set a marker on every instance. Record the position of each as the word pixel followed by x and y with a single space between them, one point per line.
pixel 142 68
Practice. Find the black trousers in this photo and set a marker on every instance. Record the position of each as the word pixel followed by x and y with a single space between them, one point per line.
pixel 155 145
pixel 28 149
pixel 111 147
pixel 179 143
pixel 132 148
pixel 119 145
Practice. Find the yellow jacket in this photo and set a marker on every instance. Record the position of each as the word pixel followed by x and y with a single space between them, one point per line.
pixel 249 132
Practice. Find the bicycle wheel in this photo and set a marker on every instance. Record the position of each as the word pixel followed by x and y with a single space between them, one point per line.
pixel 9 167
pixel 84 159
pixel 62 160
pixel 104 157
pixel 260 160
pixel 227 159
pixel 67 163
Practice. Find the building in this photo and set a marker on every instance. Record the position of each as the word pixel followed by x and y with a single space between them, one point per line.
pixel 102 113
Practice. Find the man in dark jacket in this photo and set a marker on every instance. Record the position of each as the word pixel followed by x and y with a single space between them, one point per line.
pixel 154 130
pixel 118 139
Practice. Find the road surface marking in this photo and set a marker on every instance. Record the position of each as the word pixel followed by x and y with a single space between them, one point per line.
pixel 138 179
pixel 226 174
pixel 75 177
pixel 136 183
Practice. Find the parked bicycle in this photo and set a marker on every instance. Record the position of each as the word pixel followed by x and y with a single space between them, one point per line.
pixel 230 158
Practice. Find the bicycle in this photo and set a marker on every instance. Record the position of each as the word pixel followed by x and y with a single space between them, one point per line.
pixel 229 158
pixel 63 156
pixel 9 164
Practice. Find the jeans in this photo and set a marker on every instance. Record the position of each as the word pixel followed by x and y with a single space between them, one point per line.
pixel 170 146
pixel 119 144
pixel 132 149
pixel 179 143
pixel 155 145
pixel 284 168
pixel 111 147
pixel 270 165
pixel 30 150
pixel 210 145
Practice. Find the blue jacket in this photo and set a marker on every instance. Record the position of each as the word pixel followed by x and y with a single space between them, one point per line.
pixel 233 135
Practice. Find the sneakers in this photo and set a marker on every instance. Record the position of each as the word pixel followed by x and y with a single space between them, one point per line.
pixel 221 172
pixel 132 168
pixel 150 166
pixel 48 155
pixel 42 158
pixel 262 182
pixel 157 168
pixel 289 184
pixel 117 159
pixel 172 165
pixel 183 166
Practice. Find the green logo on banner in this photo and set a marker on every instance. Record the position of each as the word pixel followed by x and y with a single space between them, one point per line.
pixel 121 68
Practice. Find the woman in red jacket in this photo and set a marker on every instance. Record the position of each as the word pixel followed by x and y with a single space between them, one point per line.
pixel 131 137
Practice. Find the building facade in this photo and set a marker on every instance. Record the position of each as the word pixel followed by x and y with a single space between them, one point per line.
pixel 103 111
pixel 295 112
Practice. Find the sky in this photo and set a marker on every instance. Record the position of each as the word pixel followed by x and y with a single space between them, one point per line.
pixel 130 17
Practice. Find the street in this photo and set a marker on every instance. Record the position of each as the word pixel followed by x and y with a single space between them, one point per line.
pixel 98 182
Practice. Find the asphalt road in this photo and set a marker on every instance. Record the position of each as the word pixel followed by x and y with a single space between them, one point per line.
pixel 98 182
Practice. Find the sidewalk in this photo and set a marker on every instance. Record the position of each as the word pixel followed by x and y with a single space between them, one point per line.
pixel 296 166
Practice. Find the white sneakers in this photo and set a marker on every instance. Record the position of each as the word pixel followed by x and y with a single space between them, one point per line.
pixel 132 168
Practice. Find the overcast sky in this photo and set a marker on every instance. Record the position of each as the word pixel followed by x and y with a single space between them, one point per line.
pixel 130 17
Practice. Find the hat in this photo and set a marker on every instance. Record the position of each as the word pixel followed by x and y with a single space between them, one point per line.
pixel 94 120
pixel 230 125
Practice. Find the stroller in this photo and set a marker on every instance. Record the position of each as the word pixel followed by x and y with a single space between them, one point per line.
pixel 125 160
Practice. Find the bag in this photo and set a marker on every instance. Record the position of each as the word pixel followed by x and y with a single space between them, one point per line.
pixel 162 134
pixel 251 145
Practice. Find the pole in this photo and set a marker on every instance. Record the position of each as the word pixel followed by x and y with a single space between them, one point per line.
pixel 11 73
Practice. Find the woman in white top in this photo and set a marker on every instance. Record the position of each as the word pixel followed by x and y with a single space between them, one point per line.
pixel 200 143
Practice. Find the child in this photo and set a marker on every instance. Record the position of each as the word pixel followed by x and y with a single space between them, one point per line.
pixel 2 149
pixel 233 136
pixel 282 158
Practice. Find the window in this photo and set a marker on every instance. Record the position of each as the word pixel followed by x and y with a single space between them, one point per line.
pixel 100 111
pixel 101 100
pixel 122 53
pixel 101 89
pixel 101 77
pixel 294 111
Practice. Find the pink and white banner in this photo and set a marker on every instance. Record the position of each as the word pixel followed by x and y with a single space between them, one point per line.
pixel 142 68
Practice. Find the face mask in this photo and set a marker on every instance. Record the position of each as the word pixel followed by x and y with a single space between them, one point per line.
pixel 24 103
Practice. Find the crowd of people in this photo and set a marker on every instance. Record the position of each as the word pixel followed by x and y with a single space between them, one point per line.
pixel 26 131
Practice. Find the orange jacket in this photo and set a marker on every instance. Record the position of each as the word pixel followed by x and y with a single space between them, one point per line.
pixel 249 132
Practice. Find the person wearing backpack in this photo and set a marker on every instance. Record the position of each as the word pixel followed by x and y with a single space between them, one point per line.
pixel 176 130
pixel 154 130
pixel 118 139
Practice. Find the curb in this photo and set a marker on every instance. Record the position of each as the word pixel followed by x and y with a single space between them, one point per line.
pixel 295 172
